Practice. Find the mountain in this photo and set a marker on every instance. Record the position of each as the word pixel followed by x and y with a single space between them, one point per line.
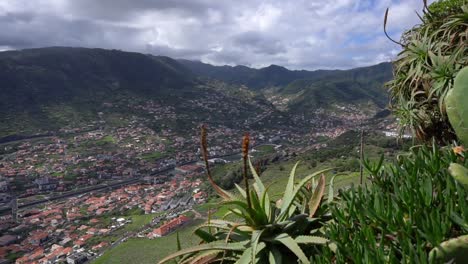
pixel 48 89
pixel 34 77
pixel 59 88
pixel 256 79
pixel 358 86
pixel 305 90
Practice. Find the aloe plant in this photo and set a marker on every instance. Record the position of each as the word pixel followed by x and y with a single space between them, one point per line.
pixel 263 231
pixel 457 105
pixel 433 52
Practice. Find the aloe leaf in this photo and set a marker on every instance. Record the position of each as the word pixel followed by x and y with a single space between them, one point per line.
pixel 290 186
pixel 245 257
pixel 275 256
pixel 241 191
pixel 205 236
pixel 238 246
pixel 330 190
pixel 254 243
pixel 288 200
pixel 204 257
pixel 258 185
pixel 314 202
pixel 289 242
pixel 311 240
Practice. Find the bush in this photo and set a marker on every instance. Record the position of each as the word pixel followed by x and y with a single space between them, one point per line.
pixel 410 208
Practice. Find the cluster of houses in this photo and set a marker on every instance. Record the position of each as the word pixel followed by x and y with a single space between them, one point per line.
pixel 69 230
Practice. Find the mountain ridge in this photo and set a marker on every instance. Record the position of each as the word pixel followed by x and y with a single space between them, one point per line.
pixel 48 87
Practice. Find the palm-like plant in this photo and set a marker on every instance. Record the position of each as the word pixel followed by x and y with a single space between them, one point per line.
pixel 433 53
pixel 262 231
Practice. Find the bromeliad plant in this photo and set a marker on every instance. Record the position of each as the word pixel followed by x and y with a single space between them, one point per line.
pixel 262 231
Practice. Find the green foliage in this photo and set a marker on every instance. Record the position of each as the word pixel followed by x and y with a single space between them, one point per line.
pixel 457 108
pixel 443 8
pixel 264 230
pixel 411 207
pixel 459 173
pixel 455 249
pixel 433 53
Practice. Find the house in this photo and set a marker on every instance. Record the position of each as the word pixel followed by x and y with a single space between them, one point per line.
pixel 6 240
pixel 38 238
pixel 3 186
pixel 46 184
pixel 199 197
pixel 5 198
pixel 77 258
pixel 168 227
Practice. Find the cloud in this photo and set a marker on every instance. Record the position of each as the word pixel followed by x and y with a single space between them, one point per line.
pixel 298 34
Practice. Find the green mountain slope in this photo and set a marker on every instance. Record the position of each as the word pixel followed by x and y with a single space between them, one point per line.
pixel 47 89
pixel 304 91
pixel 356 86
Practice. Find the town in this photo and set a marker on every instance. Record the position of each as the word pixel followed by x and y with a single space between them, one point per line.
pixel 106 183
pixel 78 228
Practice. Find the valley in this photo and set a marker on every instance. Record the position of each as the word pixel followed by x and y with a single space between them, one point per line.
pixel 128 147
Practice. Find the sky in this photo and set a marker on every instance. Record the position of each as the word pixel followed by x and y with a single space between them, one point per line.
pixel 297 34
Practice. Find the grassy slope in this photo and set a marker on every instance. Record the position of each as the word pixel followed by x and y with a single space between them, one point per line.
pixel 142 250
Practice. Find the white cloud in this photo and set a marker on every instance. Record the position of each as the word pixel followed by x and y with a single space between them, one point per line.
pixel 297 34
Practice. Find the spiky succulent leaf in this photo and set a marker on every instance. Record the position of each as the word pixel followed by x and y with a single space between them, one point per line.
pixel 288 200
pixel 317 196
pixel 330 190
pixel 292 245
pixel 311 240
pixel 217 245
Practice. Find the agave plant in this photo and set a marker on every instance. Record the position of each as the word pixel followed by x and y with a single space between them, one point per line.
pixel 261 230
pixel 433 53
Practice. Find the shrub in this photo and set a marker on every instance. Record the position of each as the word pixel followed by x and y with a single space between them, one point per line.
pixel 411 207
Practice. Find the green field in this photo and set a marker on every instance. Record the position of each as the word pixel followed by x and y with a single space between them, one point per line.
pixel 276 176
pixel 153 156
pixel 142 250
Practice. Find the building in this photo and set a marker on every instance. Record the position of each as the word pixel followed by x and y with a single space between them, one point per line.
pixel 46 184
pixel 186 169
pixel 77 258
pixel 168 227
pixel 5 198
pixel 6 240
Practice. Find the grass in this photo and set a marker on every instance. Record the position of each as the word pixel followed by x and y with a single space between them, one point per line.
pixel 266 149
pixel 153 156
pixel 138 221
pixel 142 250
pixel 276 176
pixel 105 140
